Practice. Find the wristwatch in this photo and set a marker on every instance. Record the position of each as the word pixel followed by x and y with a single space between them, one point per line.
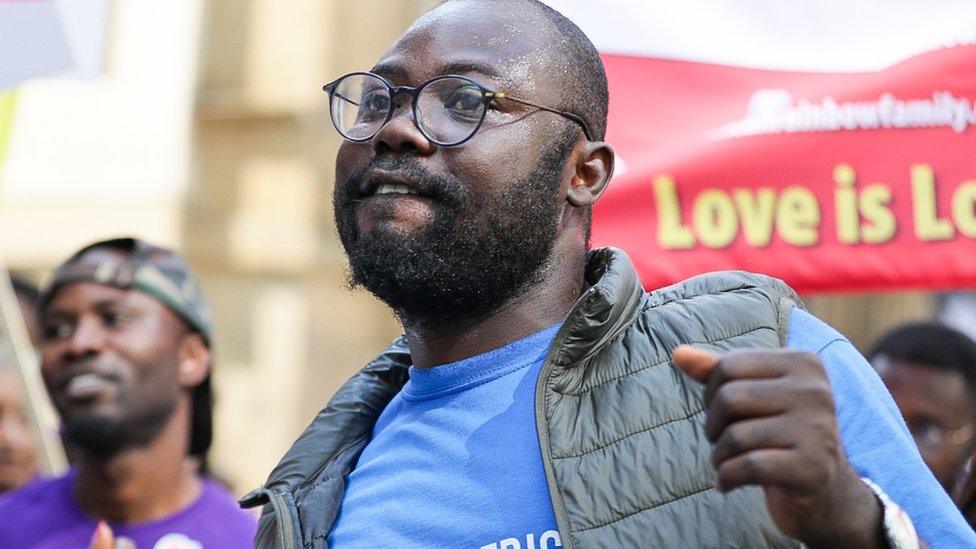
pixel 898 528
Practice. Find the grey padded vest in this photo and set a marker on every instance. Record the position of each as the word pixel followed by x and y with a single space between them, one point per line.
pixel 621 431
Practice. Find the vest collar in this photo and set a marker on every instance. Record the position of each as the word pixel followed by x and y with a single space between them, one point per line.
pixel 607 306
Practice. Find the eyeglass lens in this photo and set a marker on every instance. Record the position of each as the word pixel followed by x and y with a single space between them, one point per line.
pixel 360 105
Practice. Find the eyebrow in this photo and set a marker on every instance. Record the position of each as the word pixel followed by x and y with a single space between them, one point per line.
pixel 396 70
pixel 54 312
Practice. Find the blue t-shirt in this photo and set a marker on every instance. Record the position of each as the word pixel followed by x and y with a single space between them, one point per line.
pixel 454 460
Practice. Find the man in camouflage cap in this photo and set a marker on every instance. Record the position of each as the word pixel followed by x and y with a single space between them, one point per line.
pixel 125 352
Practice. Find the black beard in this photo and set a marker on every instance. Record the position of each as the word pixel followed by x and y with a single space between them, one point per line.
pixel 472 259
pixel 105 436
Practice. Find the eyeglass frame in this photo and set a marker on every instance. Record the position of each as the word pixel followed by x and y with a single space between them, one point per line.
pixel 947 436
pixel 488 95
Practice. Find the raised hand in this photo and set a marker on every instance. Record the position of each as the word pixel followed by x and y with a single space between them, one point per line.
pixel 772 423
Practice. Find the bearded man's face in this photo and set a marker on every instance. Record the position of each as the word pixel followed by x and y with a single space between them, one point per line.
pixel 473 254
pixel 110 360
pixel 480 220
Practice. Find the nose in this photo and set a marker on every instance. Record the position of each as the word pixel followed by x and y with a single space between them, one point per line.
pixel 87 339
pixel 402 135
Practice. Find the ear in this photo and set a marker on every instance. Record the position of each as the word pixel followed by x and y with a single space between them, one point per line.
pixel 594 168
pixel 194 361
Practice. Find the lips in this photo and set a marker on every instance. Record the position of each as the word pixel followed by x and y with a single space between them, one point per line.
pixel 394 193
pixel 392 188
pixel 86 385
pixel 383 183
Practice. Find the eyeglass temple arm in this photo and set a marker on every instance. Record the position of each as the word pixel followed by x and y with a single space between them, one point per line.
pixel 327 89
pixel 569 115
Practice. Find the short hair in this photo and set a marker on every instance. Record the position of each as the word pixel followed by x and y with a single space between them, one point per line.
pixel 201 422
pixel 585 91
pixel 930 344
pixel 25 290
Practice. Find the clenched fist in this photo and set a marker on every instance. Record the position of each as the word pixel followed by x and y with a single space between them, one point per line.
pixel 772 423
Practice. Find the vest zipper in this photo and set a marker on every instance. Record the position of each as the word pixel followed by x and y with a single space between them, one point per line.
pixel 542 429
pixel 285 526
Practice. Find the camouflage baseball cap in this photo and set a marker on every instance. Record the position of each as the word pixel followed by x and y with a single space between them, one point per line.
pixel 156 271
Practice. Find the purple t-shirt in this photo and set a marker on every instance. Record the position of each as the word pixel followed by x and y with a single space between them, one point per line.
pixel 45 515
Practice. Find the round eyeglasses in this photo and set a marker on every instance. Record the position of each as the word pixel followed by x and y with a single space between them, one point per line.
pixel 448 109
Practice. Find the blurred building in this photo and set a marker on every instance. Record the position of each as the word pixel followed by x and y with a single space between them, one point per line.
pixel 207 130
pixel 259 216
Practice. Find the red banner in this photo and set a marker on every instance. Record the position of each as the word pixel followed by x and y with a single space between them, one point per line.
pixel 831 180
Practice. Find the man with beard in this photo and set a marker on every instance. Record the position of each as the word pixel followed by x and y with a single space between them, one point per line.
pixel 125 353
pixel 540 398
